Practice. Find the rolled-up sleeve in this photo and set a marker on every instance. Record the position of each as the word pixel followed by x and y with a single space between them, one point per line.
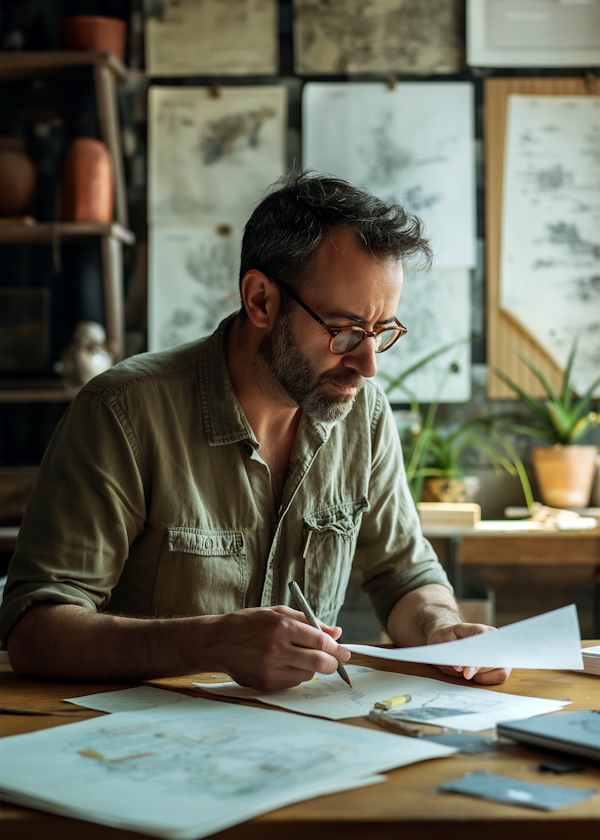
pixel 86 509
pixel 398 558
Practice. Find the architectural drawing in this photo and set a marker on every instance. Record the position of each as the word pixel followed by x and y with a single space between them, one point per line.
pixel 190 770
pixel 444 704
pixel 436 310
pixel 412 144
pixel 550 253
pixel 378 36
pixel 213 152
pixel 210 38
pixel 193 275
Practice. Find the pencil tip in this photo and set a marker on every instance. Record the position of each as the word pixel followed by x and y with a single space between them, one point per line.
pixel 348 681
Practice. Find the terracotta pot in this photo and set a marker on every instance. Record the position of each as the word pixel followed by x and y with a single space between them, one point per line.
pixel 565 474
pixel 455 490
pixel 17 177
pixel 90 32
pixel 88 185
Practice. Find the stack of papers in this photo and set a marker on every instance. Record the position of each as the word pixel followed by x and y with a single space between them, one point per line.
pixel 196 767
pixel 591 660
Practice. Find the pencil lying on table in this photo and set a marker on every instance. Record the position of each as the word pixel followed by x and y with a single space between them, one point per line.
pixel 312 619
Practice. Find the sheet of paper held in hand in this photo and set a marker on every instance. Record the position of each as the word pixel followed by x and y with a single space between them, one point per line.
pixel 194 768
pixel 432 701
pixel 551 640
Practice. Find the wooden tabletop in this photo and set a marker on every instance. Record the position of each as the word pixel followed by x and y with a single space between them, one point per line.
pixel 406 806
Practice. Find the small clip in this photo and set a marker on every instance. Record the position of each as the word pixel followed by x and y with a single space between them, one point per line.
pixel 391 82
pixel 223 230
pixel 214 92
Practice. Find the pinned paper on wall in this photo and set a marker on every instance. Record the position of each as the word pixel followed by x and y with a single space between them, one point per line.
pixel 213 151
pixel 213 39
pixel 378 36
pixel 192 281
pixel 413 143
pixel 550 251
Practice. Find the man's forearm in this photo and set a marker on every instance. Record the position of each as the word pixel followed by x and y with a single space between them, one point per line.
pixel 422 612
pixel 64 641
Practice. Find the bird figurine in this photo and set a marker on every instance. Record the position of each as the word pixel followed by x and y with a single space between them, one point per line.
pixel 87 355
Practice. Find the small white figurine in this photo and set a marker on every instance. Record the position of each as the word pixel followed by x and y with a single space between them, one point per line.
pixel 87 355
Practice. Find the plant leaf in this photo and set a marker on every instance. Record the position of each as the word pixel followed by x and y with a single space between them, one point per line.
pixel 566 389
pixel 540 375
pixel 535 405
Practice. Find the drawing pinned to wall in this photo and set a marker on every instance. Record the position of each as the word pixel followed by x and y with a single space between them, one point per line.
pixel 210 38
pixel 550 252
pixel 193 282
pixel 533 33
pixel 436 310
pixel 412 144
pixel 213 151
pixel 378 36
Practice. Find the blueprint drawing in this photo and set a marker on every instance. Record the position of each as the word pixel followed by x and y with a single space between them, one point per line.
pixel 550 253
pixel 192 281
pixel 412 144
pixel 213 151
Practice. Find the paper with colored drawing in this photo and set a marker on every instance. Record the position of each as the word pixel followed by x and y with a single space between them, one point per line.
pixel 551 640
pixel 432 701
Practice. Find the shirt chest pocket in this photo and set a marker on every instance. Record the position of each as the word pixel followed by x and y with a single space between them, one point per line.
pixel 329 559
pixel 201 572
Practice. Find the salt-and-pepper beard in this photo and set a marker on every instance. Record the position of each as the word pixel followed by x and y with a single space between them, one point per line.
pixel 285 375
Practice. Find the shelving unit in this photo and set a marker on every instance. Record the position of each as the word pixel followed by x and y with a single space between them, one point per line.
pixel 106 70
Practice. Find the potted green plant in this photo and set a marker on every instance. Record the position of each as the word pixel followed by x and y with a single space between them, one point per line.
pixel 564 469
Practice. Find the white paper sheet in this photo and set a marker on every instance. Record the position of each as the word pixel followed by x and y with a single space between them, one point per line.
pixel 212 156
pixel 193 275
pixel 413 144
pixel 136 699
pixel 551 640
pixel 432 701
pixel 550 251
pixel 436 310
pixel 190 770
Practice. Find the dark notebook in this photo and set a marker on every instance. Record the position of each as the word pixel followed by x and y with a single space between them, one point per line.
pixel 577 733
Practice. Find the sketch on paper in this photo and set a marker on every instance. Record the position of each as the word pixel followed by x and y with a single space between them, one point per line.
pixel 378 36
pixel 550 251
pixel 212 156
pixel 210 38
pixel 443 704
pixel 436 310
pixel 193 277
pixel 413 144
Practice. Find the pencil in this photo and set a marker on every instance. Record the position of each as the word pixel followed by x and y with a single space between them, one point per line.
pixel 312 619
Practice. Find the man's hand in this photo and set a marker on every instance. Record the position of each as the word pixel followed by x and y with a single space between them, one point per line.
pixel 272 648
pixel 483 676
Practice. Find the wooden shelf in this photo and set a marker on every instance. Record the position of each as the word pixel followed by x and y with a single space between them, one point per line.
pixel 58 232
pixel 29 65
pixel 36 391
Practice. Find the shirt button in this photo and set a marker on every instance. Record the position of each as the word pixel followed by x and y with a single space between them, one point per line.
pixel 208 544
pixel 248 449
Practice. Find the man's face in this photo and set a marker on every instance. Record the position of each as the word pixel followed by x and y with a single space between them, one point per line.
pixel 347 287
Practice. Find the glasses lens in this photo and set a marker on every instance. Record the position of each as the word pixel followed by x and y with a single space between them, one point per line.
pixel 345 341
pixel 386 339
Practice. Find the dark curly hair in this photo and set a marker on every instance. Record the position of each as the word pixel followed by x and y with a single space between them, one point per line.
pixel 288 225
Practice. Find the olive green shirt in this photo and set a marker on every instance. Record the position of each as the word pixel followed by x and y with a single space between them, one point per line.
pixel 152 500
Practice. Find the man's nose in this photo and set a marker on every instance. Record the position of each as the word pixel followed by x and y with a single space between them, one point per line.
pixel 363 358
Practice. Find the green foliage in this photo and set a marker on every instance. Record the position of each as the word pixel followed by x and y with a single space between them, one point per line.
pixel 562 418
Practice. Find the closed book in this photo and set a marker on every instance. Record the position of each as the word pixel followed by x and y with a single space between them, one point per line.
pixel 577 733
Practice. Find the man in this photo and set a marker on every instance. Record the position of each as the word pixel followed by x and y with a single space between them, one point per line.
pixel 176 498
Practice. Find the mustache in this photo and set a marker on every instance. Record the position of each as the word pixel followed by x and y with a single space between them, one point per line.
pixel 351 380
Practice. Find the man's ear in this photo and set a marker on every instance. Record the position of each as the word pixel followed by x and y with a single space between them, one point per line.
pixel 261 298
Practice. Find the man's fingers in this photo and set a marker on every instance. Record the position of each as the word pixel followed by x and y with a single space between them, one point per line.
pixel 492 676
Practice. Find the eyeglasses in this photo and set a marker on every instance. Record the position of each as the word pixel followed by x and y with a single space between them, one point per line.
pixel 345 339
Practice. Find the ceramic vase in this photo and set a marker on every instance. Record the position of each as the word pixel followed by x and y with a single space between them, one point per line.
pixel 88 184
pixel 565 474
pixel 17 177
pixel 451 489
pixel 91 32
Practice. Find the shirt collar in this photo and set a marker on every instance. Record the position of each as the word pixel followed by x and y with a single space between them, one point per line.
pixel 224 420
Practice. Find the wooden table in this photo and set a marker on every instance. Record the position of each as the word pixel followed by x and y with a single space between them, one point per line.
pixel 405 807
pixel 484 546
